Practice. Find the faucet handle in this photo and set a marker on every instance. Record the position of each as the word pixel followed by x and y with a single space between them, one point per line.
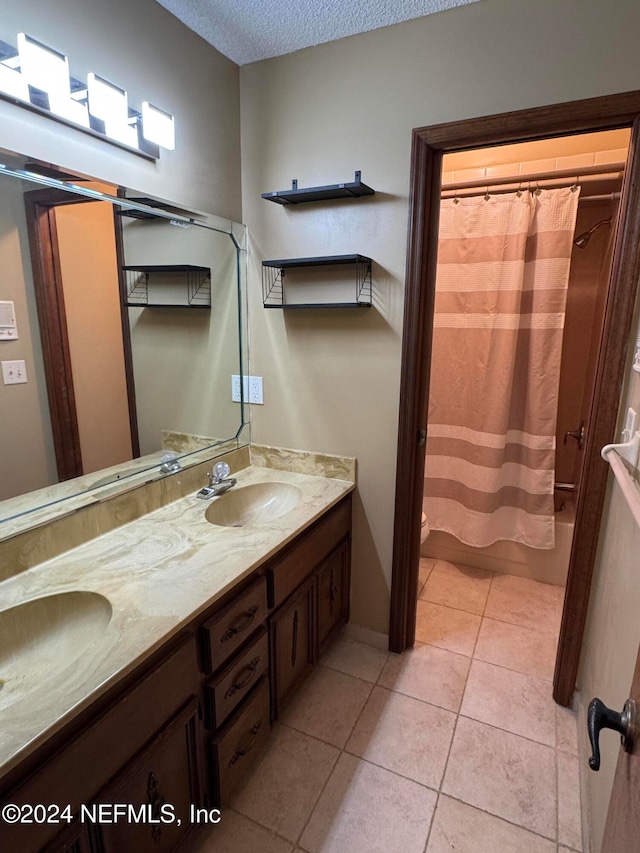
pixel 219 472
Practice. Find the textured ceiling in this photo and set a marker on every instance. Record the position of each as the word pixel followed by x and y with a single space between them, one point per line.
pixel 249 30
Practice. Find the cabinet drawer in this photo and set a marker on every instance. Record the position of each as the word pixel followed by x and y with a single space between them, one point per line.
pixel 233 684
pixel 230 627
pixel 290 570
pixel 239 742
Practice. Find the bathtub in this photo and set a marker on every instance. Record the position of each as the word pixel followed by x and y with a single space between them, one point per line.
pixel 512 558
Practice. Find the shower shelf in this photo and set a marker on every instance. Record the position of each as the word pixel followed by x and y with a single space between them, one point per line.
pixel 353 189
pixel 273 281
pixel 188 286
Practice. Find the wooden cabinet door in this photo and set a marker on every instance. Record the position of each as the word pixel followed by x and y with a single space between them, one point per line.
pixel 163 779
pixel 75 839
pixel 333 592
pixel 293 649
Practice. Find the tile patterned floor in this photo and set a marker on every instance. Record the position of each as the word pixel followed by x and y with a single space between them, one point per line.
pixel 456 745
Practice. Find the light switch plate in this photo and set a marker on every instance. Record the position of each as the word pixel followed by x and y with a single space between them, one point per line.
pixel 629 425
pixel 14 372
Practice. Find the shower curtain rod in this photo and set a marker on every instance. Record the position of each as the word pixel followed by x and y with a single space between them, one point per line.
pixel 612 170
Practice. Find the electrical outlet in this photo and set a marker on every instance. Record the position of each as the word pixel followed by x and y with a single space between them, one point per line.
pixel 252 389
pixel 235 389
pixel 14 372
pixel 255 390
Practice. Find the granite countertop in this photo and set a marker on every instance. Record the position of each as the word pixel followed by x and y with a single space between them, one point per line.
pixel 158 573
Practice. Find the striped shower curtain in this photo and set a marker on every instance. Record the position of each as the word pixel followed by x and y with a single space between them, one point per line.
pixel 503 269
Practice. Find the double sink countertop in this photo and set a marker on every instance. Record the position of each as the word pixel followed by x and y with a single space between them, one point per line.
pixel 157 574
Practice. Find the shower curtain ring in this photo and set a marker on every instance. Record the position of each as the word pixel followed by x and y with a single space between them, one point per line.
pixel 486 195
pixel 576 185
pixel 519 193
pixel 538 190
pixel 456 200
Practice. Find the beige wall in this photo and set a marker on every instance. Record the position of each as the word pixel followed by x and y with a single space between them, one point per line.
pixel 145 50
pixel 613 626
pixel 27 460
pixel 88 265
pixel 332 378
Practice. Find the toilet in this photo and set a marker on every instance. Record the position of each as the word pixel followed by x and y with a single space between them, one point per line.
pixel 424 528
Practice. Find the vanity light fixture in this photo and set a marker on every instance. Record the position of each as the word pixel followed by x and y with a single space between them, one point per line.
pixel 158 126
pixel 37 77
pixel 109 105
pixel 47 72
pixel 11 80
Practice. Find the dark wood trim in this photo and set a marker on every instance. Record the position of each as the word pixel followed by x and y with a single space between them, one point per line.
pixel 126 336
pixel 41 226
pixel 619 110
pixel 603 113
pixel 426 171
pixel 602 424
pixel 47 280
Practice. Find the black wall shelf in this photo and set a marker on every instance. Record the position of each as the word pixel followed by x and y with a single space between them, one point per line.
pixel 191 284
pixel 273 281
pixel 354 189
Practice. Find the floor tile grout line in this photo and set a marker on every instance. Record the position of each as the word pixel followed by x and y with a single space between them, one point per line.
pixel 317 800
pixel 342 751
pixel 350 674
pixel 482 616
pixel 504 819
pixel 255 823
pixel 507 731
pixel 431 822
pixel 555 840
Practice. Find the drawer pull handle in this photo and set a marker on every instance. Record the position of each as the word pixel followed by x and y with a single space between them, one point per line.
pixel 245 620
pixel 241 751
pixel 332 593
pixel 156 801
pixel 237 683
pixel 294 640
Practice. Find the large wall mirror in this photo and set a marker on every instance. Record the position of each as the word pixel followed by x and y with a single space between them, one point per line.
pixel 121 323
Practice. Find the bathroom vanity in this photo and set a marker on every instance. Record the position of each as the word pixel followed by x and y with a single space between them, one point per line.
pixel 212 628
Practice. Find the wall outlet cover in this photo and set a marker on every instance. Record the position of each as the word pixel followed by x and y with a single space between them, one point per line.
pixel 255 390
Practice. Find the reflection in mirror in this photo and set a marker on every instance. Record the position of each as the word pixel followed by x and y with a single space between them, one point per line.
pixel 129 323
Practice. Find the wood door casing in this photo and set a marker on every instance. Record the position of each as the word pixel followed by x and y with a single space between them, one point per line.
pixel 47 279
pixel 429 144
pixel 40 208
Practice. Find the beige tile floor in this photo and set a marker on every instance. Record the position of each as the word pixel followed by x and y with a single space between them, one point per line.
pixel 456 745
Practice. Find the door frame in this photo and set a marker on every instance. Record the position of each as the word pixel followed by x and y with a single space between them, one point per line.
pixel 40 208
pixel 429 145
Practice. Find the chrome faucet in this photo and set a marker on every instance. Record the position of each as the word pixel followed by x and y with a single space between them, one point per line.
pixel 170 463
pixel 219 482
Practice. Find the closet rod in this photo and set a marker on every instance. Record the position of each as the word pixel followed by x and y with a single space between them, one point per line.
pixel 610 169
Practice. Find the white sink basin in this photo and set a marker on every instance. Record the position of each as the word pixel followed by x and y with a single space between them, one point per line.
pixel 41 638
pixel 253 505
